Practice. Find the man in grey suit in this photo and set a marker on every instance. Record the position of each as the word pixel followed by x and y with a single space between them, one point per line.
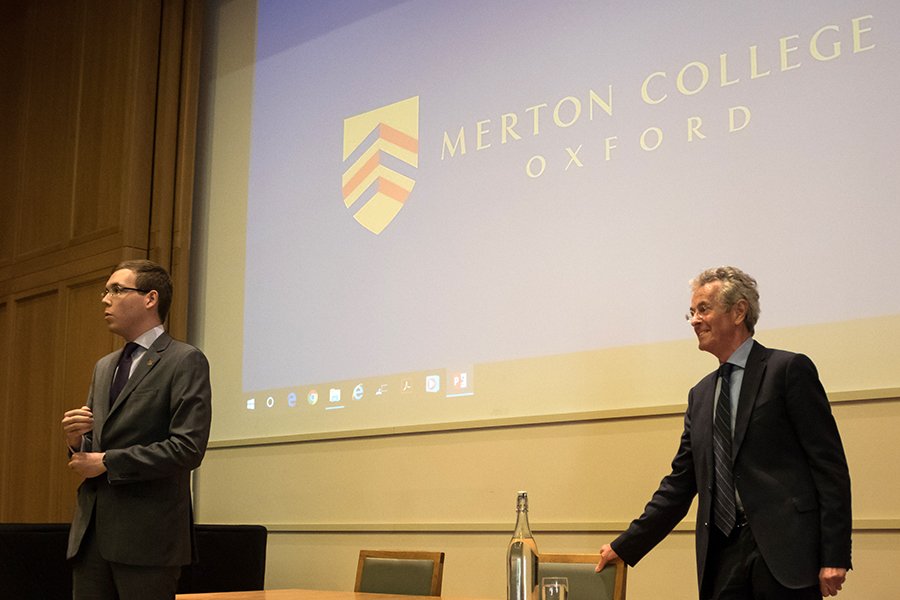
pixel 136 447
pixel 773 517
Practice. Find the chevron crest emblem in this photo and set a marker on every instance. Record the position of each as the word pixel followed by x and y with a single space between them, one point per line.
pixel 381 153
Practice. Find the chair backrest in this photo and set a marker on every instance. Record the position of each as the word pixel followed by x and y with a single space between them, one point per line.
pixel 33 561
pixel 400 572
pixel 228 558
pixel 584 582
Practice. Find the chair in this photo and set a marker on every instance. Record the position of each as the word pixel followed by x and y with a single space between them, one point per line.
pixel 584 582
pixel 33 561
pixel 400 572
pixel 230 558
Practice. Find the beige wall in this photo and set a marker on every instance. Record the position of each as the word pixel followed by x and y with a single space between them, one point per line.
pixel 455 491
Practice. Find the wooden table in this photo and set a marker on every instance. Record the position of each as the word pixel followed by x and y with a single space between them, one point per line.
pixel 300 595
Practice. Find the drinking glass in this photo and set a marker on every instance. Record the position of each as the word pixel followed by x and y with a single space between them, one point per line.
pixel 554 588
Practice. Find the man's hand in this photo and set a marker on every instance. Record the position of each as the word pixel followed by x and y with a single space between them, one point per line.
pixel 831 579
pixel 75 424
pixel 88 464
pixel 606 554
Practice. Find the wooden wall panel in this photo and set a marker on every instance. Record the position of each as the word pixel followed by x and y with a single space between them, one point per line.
pixel 52 45
pixel 5 442
pixel 34 439
pixel 84 131
pixel 97 121
pixel 84 327
pixel 10 123
pixel 115 118
pixel 173 176
pixel 84 334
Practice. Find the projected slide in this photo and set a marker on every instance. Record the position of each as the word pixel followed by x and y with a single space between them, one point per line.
pixel 475 210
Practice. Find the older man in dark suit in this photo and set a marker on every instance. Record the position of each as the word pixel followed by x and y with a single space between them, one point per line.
pixel 144 428
pixel 773 520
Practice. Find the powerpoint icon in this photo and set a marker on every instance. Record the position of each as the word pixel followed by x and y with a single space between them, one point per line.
pixel 379 146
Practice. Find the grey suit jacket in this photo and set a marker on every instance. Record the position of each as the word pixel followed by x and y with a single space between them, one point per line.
pixel 154 434
pixel 789 467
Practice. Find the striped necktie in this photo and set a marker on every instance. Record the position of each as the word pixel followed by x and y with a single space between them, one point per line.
pixel 724 506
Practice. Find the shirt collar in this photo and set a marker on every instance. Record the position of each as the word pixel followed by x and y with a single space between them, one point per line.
pixel 146 339
pixel 739 357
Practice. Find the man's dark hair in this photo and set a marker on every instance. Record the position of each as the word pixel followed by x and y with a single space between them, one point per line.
pixel 151 276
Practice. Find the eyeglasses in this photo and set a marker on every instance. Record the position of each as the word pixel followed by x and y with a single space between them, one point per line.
pixel 117 290
pixel 701 311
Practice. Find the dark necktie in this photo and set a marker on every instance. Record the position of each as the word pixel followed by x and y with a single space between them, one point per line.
pixel 724 506
pixel 123 370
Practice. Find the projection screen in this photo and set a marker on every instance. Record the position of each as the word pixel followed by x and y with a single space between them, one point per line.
pixel 428 214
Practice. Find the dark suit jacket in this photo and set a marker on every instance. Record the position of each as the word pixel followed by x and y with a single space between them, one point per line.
pixel 789 470
pixel 154 435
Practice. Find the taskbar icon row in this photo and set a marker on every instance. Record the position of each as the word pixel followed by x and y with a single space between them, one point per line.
pixel 448 384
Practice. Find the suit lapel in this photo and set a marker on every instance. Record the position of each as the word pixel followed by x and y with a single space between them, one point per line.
pixel 100 404
pixel 703 417
pixel 753 376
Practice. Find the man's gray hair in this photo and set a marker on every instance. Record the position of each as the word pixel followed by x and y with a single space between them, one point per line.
pixel 736 285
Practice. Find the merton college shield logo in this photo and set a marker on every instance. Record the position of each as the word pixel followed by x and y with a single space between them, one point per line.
pixel 381 154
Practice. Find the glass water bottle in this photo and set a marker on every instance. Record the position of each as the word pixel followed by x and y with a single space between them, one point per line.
pixel 522 557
